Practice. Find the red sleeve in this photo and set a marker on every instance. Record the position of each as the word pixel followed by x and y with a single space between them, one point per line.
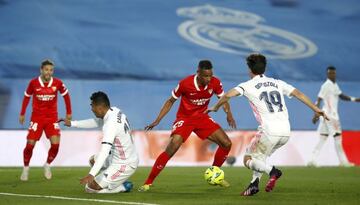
pixel 27 94
pixel 177 92
pixel 219 91
pixel 63 89
pixel 29 90
pixel 67 103
pixel 25 103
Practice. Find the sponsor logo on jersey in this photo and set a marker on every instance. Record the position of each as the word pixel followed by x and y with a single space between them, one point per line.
pixel 45 97
pixel 201 101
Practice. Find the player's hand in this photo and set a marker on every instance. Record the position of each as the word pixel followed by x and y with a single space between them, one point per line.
pixel 22 119
pixel 315 119
pixel 211 109
pixel 322 113
pixel 88 179
pixel 67 122
pixel 68 117
pixel 231 120
pixel 151 126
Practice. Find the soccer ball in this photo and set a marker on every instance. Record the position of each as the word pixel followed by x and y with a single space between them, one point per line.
pixel 214 175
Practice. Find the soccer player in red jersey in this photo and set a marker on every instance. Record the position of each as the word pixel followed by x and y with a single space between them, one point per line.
pixel 44 115
pixel 195 92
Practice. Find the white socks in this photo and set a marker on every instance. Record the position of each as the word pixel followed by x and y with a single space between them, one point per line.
pixel 256 175
pixel 259 166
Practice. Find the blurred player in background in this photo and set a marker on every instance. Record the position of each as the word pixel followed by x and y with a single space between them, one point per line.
pixel 266 96
pixel 44 115
pixel 195 92
pixel 330 94
pixel 117 159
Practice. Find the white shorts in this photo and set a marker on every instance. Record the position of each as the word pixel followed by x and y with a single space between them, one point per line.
pixel 262 145
pixel 114 175
pixel 329 127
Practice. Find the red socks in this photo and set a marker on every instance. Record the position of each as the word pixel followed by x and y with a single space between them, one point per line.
pixel 54 149
pixel 220 156
pixel 159 164
pixel 27 154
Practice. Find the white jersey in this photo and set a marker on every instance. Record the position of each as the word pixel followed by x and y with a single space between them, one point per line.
pixel 330 92
pixel 266 97
pixel 117 134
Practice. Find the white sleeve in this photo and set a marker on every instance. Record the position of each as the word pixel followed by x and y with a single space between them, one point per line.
pixel 322 92
pixel 240 88
pixel 338 90
pixel 89 123
pixel 109 132
pixel 286 88
pixel 101 158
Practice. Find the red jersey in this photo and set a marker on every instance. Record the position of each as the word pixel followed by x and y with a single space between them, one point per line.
pixel 195 99
pixel 44 102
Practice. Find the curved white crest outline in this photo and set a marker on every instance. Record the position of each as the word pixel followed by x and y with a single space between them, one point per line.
pixel 211 29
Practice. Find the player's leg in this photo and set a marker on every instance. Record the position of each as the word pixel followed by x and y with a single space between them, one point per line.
pixel 181 131
pixel 208 128
pixel 275 173
pixel 220 138
pixel 161 161
pixel 34 133
pixel 324 132
pixel 52 131
pixel 112 180
pixel 256 153
pixel 258 150
pixel 335 128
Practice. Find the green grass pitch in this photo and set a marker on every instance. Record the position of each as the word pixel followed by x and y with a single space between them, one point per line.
pixel 185 185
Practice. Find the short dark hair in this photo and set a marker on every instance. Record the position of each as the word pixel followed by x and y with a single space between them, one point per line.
pixel 330 68
pixel 205 65
pixel 257 63
pixel 100 98
pixel 47 62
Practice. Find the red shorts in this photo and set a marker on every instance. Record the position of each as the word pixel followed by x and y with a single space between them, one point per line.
pixel 203 127
pixel 38 125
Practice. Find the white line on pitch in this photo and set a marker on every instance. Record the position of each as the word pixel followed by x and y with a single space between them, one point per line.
pixel 75 199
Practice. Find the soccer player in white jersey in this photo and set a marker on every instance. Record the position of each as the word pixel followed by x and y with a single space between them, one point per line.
pixel 330 94
pixel 266 97
pixel 117 159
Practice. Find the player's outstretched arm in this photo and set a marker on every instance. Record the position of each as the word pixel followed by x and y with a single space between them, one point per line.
pixel 164 110
pixel 348 98
pixel 316 117
pixel 306 100
pixel 224 99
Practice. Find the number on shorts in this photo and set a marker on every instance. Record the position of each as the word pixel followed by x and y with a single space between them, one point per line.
pixel 33 126
pixel 178 124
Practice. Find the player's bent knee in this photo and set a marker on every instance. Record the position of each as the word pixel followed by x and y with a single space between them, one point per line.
pixel 246 161
pixel 228 144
